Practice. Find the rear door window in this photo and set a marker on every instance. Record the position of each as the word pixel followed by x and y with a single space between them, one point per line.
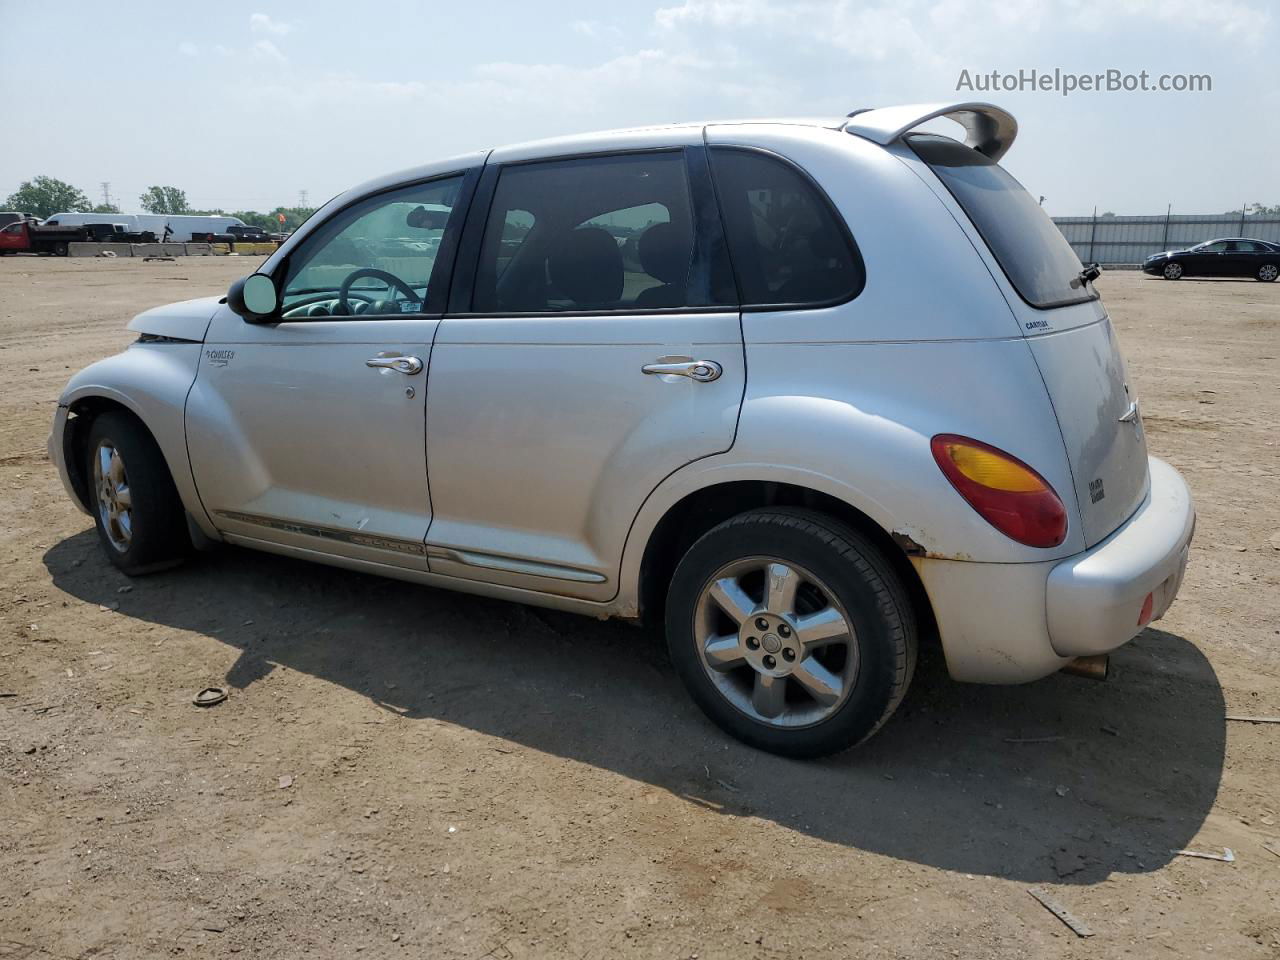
pixel 1028 246
pixel 606 233
pixel 788 244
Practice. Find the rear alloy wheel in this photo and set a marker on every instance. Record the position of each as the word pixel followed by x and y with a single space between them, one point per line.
pixel 791 632
pixel 1173 271
pixel 60 249
pixel 136 508
pixel 1268 272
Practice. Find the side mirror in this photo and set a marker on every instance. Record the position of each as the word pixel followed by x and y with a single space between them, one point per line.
pixel 253 297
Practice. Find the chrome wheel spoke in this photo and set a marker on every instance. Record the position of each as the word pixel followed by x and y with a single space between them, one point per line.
pixel 114 495
pixel 822 628
pixel 731 598
pixel 725 653
pixel 116 468
pixel 781 583
pixel 819 682
pixel 769 695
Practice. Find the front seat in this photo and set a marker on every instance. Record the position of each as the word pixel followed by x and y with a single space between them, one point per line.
pixel 665 251
pixel 586 267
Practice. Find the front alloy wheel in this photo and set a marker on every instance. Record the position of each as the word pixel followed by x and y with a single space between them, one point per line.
pixel 1268 272
pixel 1173 271
pixel 114 496
pixel 132 498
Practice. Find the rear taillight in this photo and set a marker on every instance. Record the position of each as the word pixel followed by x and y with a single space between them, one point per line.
pixel 1008 494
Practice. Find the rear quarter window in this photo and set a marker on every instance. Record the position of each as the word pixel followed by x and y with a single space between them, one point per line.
pixel 789 246
pixel 1030 249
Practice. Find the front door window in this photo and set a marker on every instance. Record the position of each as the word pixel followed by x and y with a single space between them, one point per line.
pixel 374 259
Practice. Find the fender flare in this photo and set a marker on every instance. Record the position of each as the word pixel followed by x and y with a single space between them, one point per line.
pixel 164 418
pixel 714 471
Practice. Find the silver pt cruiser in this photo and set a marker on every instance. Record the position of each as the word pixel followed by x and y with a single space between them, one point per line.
pixel 804 391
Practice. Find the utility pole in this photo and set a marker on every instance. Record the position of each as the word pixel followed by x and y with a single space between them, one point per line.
pixel 106 192
pixel 1093 233
pixel 302 199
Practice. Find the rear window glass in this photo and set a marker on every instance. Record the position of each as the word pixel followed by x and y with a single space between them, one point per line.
pixel 1034 255
pixel 788 246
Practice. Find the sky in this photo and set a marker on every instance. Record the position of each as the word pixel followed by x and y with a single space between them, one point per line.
pixel 246 105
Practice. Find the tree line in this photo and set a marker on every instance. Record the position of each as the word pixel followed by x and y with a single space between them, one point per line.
pixel 44 196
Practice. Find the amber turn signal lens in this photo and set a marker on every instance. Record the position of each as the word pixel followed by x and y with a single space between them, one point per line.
pixel 1006 492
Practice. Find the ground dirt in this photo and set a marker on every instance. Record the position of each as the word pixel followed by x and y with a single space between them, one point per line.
pixel 406 772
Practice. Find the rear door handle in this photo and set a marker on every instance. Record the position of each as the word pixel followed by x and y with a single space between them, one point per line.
pixel 406 365
pixel 703 371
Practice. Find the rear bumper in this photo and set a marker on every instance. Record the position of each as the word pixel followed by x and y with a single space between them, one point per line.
pixel 1015 622
pixel 1094 598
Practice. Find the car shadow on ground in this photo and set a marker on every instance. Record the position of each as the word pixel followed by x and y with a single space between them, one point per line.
pixel 1064 780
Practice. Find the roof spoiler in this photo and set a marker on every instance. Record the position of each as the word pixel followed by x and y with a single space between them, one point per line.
pixel 988 129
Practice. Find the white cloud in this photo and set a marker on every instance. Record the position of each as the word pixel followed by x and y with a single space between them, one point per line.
pixel 873 32
pixel 188 49
pixel 860 32
pixel 268 51
pixel 596 30
pixel 262 23
pixel 645 86
pixel 223 51
pixel 1231 18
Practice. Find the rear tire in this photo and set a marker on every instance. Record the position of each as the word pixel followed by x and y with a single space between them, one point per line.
pixel 1172 271
pixel 140 519
pixel 60 249
pixel 1268 272
pixel 791 631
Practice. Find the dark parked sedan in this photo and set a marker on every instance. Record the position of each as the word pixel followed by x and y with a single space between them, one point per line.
pixel 1218 258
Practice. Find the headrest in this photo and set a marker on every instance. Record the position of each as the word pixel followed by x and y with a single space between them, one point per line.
pixel 586 267
pixel 665 251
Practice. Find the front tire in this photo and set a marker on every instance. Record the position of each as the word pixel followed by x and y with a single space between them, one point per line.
pixel 1268 272
pixel 1172 271
pixel 791 631
pixel 136 509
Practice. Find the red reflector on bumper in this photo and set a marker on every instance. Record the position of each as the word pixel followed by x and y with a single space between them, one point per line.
pixel 1145 616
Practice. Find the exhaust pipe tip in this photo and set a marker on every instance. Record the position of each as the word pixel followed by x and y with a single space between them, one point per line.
pixel 1096 667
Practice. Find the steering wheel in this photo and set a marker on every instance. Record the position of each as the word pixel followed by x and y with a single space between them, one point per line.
pixel 390 279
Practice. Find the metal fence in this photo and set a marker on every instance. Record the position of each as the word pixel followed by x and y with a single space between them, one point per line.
pixel 1128 240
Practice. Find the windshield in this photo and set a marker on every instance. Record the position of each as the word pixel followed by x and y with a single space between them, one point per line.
pixel 1028 246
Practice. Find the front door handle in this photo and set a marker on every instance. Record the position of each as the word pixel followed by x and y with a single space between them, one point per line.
pixel 703 371
pixel 405 365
